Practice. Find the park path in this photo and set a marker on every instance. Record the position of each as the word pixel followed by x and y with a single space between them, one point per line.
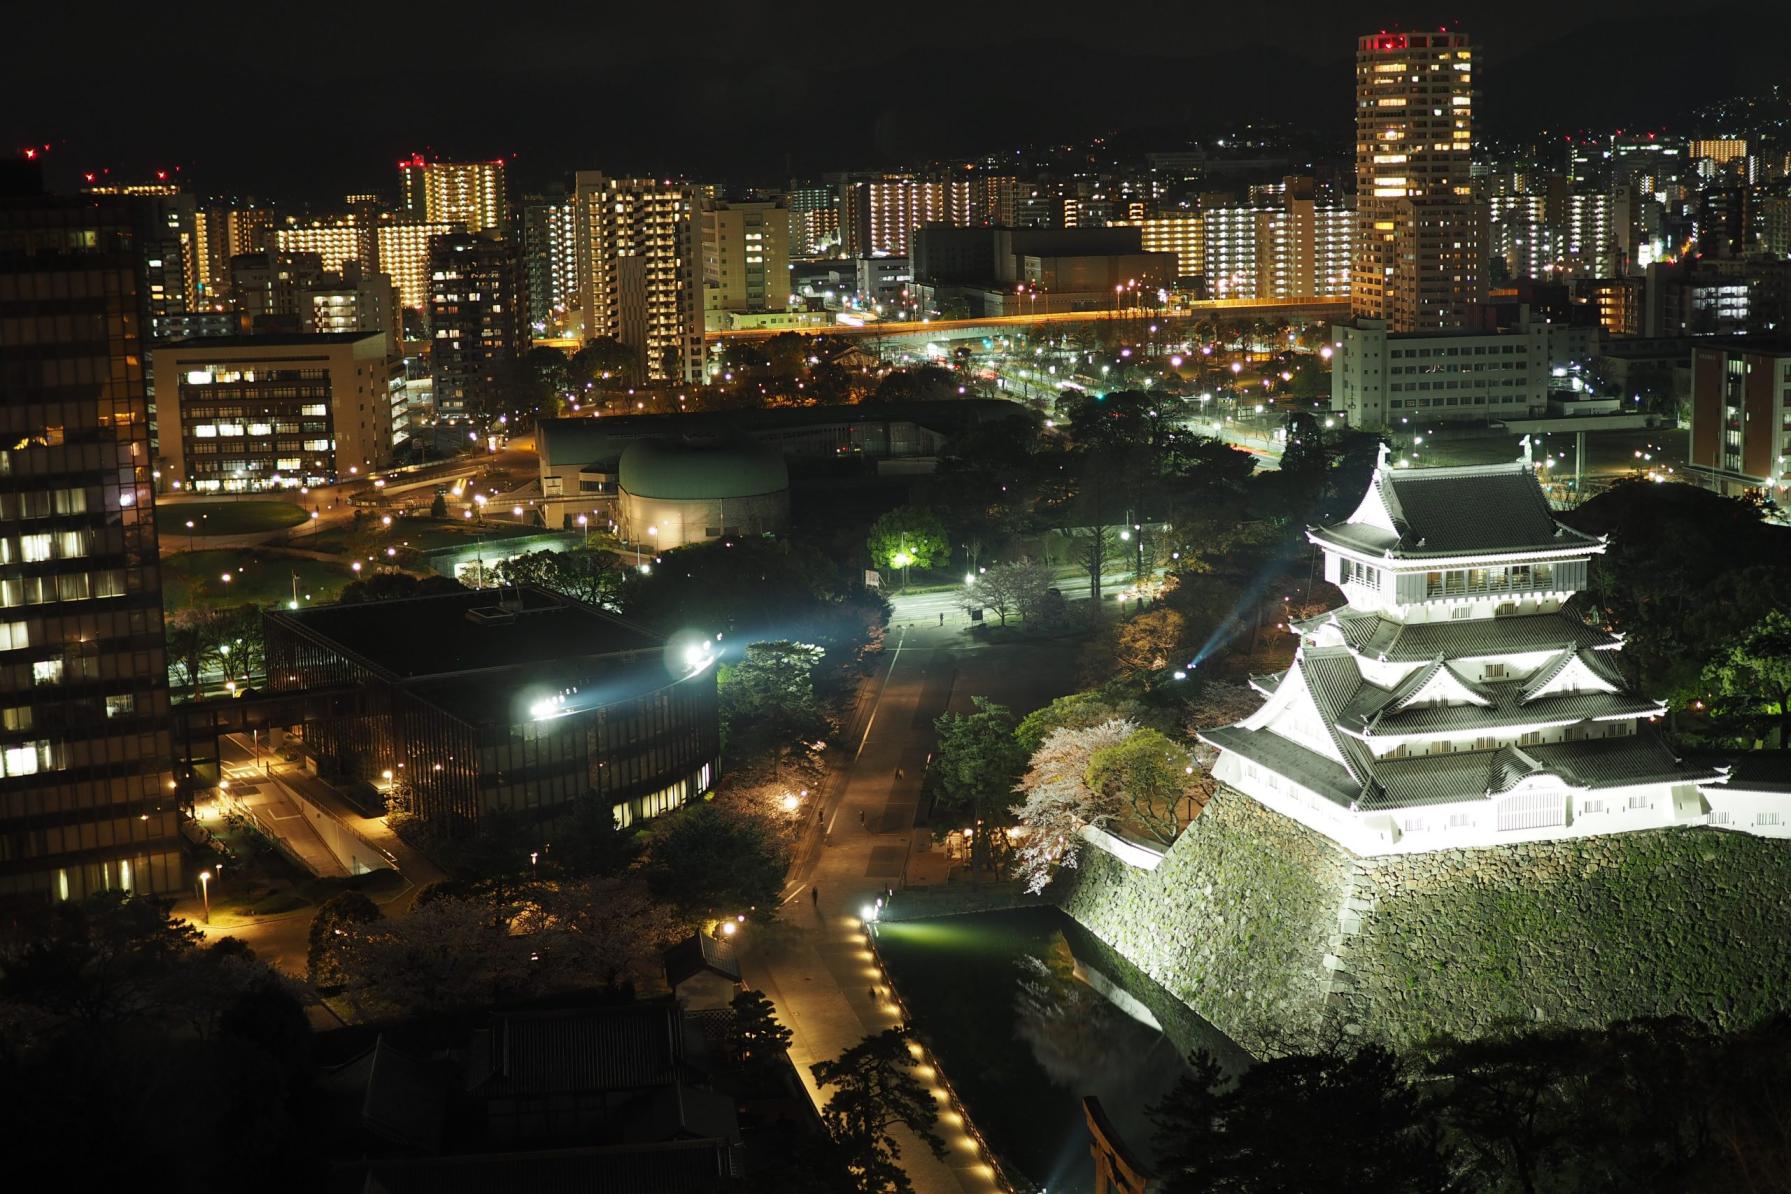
pixel 814 963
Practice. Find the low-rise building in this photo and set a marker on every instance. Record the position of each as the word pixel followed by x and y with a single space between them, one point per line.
pixel 672 492
pixel 1383 379
pixel 517 700
pixel 245 413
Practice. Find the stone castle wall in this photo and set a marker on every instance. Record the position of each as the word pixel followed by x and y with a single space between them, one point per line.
pixel 1284 940
pixel 1235 922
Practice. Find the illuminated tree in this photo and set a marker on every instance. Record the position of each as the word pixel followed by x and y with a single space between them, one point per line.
pixel 1752 678
pixel 1154 781
pixel 907 537
pixel 1060 802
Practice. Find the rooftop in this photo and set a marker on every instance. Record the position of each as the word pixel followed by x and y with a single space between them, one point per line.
pixel 469 631
pixel 274 340
pixel 1464 511
pixel 563 442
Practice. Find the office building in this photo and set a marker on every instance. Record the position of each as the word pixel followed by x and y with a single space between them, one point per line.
pixel 640 275
pixel 476 327
pixel 526 701
pixel 248 413
pixel 550 263
pixel 87 793
pixel 746 258
pixel 1741 416
pixel 877 215
pixel 403 253
pixel 1381 378
pixel 1419 233
pixel 470 194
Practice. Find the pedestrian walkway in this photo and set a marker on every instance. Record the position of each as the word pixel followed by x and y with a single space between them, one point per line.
pixel 815 964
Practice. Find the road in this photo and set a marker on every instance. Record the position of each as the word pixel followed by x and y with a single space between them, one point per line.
pixel 924 609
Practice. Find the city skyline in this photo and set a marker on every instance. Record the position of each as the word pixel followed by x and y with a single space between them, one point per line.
pixel 845 98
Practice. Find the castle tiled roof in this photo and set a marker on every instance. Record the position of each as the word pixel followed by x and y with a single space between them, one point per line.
pixel 1455 512
pixel 1376 636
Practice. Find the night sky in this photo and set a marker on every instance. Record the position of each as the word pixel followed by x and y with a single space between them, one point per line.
pixel 246 98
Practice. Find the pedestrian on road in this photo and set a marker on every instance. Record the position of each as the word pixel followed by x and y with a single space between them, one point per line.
pixel 942 617
pixel 861 818
pixel 814 894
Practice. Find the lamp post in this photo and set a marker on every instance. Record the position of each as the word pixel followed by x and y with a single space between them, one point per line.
pixel 902 559
pixel 205 893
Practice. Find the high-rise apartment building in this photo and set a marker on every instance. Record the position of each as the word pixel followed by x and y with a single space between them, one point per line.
pixel 814 221
pixel 877 215
pixel 223 233
pixel 355 301
pixel 403 250
pixel 168 240
pixel 87 793
pixel 550 262
pixel 466 193
pixel 1289 247
pixel 1180 232
pixel 640 276
pixel 335 241
pixel 746 258
pixel 1417 258
pixel 475 322
pixel 268 288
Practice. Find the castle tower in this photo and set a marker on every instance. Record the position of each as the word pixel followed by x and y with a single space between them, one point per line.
pixel 1454 701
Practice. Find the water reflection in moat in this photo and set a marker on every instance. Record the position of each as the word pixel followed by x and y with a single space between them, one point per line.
pixel 1028 1013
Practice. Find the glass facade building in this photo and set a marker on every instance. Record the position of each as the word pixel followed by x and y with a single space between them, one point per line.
pixel 87 795
pixel 526 706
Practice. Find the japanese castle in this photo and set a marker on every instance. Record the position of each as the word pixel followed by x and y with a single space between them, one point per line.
pixel 1453 701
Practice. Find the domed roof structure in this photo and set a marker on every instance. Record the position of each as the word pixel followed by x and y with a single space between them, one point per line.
pixel 687 470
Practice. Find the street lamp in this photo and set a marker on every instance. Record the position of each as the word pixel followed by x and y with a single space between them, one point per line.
pixel 902 559
pixel 205 893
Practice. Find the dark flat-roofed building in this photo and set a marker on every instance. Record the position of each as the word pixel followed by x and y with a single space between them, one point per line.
pixel 526 702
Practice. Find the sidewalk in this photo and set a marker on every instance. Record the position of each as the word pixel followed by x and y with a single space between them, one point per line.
pixel 813 963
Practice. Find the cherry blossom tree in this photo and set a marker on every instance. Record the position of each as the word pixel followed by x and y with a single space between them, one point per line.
pixel 1060 803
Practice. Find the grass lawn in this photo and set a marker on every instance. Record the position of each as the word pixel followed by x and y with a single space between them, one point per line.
pixel 197 578
pixel 408 534
pixel 227 517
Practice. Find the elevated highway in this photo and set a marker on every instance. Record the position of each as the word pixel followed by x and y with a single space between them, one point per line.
pixel 916 333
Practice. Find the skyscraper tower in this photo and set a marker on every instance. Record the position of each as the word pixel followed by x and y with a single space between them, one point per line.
pixel 87 800
pixel 1419 234
pixel 468 193
pixel 639 273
